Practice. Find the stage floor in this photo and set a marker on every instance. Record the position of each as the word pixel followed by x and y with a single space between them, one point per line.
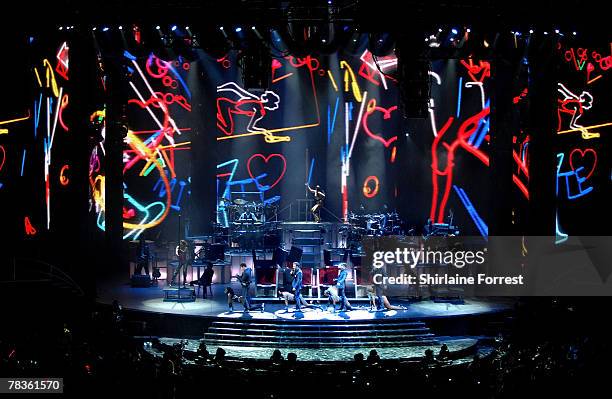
pixel 152 300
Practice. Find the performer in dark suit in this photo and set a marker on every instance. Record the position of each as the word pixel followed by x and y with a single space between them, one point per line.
pixel 341 286
pixel 144 254
pixel 297 285
pixel 245 278
pixel 181 253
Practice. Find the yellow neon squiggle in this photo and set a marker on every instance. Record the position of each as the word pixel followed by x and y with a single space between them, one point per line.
pixel 50 73
pixel 354 86
pixel 141 147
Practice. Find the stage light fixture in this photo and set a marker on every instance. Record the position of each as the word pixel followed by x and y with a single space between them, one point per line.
pixel 455 31
pixel 105 29
pixel 252 27
pixel 439 30
pixel 221 28
pixel 93 29
pixel 531 31
pixel 574 33
pixel 238 29
pixel 545 32
pixel 120 27
pixel 61 28
pixel 174 28
pixel 158 27
pixel 557 31
pixel 468 30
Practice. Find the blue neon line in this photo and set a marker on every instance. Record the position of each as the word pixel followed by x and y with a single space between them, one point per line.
pixel 128 55
pixel 480 224
pixel 330 128
pixel 153 137
pixel 310 171
pixel 459 98
pixel 23 161
pixel 476 132
pixel 483 133
pixel 479 131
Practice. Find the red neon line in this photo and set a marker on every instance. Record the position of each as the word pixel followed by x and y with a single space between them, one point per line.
pixel 520 164
pixel 520 185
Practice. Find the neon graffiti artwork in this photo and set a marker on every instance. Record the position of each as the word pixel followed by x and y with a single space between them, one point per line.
pixel 150 155
pixel 442 176
pixel 582 164
pixel 254 107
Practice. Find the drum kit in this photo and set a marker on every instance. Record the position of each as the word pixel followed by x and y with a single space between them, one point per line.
pixel 251 223
pixel 376 224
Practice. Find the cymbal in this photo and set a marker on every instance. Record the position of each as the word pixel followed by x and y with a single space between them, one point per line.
pixel 239 201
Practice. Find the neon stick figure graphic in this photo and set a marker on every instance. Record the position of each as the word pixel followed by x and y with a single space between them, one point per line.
pixel 574 105
pixel 248 104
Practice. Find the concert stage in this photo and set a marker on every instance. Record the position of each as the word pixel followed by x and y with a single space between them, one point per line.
pixel 316 333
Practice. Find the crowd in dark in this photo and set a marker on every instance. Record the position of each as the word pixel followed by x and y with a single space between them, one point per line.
pixel 548 350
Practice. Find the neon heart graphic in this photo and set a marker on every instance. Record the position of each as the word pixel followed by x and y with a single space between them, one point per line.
pixel 372 107
pixel 266 160
pixel 582 155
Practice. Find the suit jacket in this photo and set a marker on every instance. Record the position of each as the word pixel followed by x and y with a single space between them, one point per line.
pixel 342 279
pixel 297 279
pixel 245 277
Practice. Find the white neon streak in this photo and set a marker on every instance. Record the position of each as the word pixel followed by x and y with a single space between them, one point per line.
pixel 346 123
pixel 48 121
pixel 59 101
pixel 436 76
pixel 363 102
pixel 432 115
pixel 162 105
pixel 482 94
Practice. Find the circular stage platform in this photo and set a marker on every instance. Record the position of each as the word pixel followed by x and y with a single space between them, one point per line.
pixel 151 299
pixel 313 333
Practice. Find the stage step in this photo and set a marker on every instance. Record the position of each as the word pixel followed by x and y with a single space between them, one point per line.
pixel 319 333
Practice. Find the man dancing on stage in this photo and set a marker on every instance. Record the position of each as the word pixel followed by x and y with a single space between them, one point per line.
pixel 340 286
pixel 319 196
pixel 245 277
pixel 181 252
pixel 297 285
pixel 332 298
